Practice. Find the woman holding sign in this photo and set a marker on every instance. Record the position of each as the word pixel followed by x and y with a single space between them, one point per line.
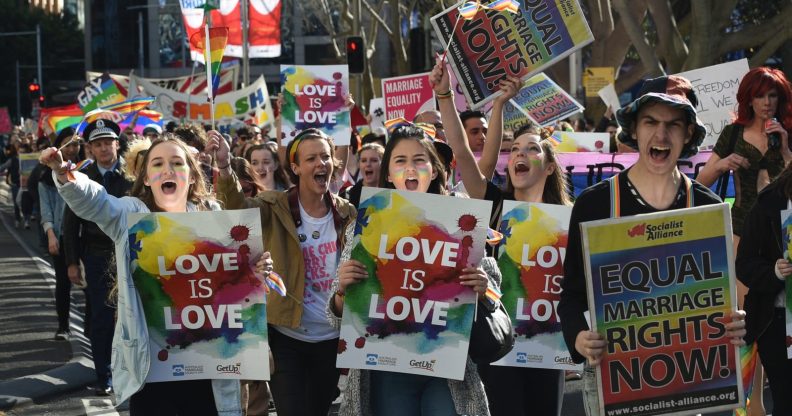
pixel 533 175
pixel 306 228
pixel 171 181
pixel 756 148
pixel 763 266
pixel 411 163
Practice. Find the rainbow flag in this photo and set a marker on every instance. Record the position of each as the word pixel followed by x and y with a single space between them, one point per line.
pixel 216 39
pixel 144 118
pixel 62 117
pixel 748 358
pixel 276 283
pixel 130 106
pixel 98 113
pixel 469 9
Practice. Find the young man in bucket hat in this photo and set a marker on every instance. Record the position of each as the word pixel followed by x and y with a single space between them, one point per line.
pixel 662 125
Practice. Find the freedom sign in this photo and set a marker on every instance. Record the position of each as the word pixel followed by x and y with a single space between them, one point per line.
pixel 205 305
pixel 407 96
pixel 494 45
pixel 716 89
pixel 660 290
pixel 411 315
pixel 531 261
pixel 314 96
pixel 544 101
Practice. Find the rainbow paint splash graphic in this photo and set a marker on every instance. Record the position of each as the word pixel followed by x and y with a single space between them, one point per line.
pixel 531 259
pixel 203 300
pixel 313 96
pixel 569 142
pixel 786 231
pixel 411 312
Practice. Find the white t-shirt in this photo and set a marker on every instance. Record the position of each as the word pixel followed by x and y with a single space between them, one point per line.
pixel 320 253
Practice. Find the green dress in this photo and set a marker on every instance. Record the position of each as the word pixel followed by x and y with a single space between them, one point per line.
pixel 746 180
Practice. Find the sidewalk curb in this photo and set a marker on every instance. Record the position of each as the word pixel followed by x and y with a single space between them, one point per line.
pixel 73 375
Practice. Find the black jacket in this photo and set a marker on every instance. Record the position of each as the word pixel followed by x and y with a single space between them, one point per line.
pixel 84 237
pixel 760 247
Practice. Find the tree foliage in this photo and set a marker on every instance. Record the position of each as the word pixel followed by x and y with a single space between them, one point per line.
pixel 61 44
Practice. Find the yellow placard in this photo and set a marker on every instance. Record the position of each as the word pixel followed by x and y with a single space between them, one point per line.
pixel 596 78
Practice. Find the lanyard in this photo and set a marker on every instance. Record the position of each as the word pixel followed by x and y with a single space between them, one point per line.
pixel 615 192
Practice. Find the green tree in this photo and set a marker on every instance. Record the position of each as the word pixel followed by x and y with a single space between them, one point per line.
pixel 61 43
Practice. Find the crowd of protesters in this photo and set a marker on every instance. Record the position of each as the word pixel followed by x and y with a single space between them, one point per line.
pixel 310 186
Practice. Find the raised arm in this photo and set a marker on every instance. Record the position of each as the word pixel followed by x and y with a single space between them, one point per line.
pixel 489 155
pixel 475 182
pixel 88 199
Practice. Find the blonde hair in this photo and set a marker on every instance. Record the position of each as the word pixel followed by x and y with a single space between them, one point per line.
pixel 134 157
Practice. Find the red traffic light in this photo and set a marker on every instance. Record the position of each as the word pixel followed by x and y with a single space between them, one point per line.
pixel 355 54
pixel 41 98
pixel 33 87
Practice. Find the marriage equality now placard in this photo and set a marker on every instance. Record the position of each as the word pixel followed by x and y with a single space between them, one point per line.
pixel 204 304
pixel 412 315
pixel 494 44
pixel 314 96
pixel 660 290
pixel 407 96
pixel 531 261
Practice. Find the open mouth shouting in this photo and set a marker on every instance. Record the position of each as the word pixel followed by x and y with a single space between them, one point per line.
pixel 320 178
pixel 411 183
pixel 521 167
pixel 659 153
pixel 368 175
pixel 168 187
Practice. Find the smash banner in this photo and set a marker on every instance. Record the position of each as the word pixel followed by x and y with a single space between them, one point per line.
pixel 531 260
pixel 407 96
pixel 544 101
pixel 205 306
pixel 264 26
pixel 493 44
pixel 411 315
pixel 660 290
pixel 314 96
pixel 786 228
pixel 716 88
pixel 237 105
pixel 195 84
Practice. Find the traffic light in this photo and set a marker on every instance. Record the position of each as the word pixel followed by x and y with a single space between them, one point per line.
pixel 34 88
pixel 356 54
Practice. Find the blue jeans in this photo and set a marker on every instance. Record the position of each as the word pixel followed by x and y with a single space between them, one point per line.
pixel 398 394
pixel 102 316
